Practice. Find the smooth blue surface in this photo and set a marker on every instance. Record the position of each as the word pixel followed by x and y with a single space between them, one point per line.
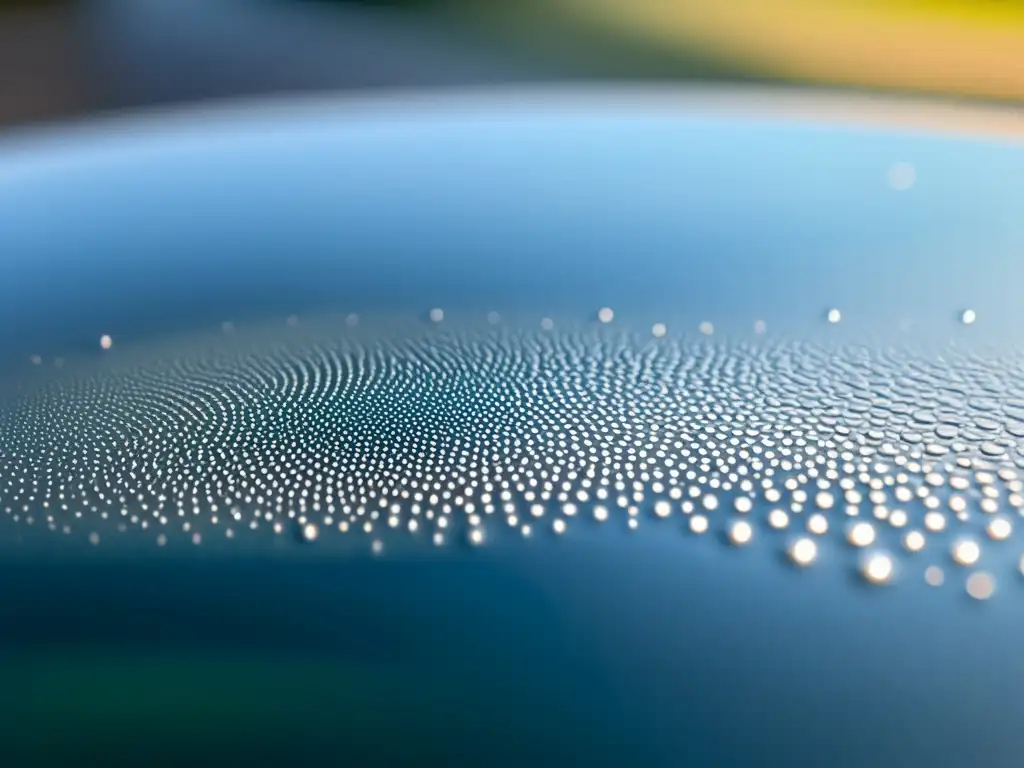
pixel 688 654
pixel 354 208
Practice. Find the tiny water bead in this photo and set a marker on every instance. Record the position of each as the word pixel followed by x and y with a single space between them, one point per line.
pixel 934 576
pixel 965 552
pixel 803 551
pixel 741 532
pixel 384 430
pixel 902 176
pixel 981 585
pixel 861 534
pixel 878 568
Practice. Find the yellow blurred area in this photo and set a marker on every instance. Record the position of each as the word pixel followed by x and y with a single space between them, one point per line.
pixel 64 58
pixel 940 46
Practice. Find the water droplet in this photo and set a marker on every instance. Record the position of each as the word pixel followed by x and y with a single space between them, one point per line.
pixel 740 532
pixel 803 551
pixel 965 552
pixel 999 528
pixel 902 176
pixel 981 585
pixel 861 534
pixel 913 541
pixel 878 568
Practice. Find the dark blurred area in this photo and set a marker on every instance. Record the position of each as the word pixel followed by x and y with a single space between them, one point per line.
pixel 63 59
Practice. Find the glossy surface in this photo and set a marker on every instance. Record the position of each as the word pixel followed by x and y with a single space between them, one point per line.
pixel 619 431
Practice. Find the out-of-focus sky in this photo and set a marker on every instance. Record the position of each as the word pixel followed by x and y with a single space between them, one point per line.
pixel 66 58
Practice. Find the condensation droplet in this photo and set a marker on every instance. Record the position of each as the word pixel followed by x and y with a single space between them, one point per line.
pixel 803 551
pixel 965 552
pixel 740 532
pixel 902 176
pixel 878 567
pixel 981 585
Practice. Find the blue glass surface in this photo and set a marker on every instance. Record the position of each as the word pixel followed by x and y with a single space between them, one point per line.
pixel 602 646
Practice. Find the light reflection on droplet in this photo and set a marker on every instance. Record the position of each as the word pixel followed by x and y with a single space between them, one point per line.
pixel 878 567
pixel 965 552
pixel 999 528
pixel 861 534
pixel 902 176
pixel 913 541
pixel 803 551
pixel 740 532
pixel 981 585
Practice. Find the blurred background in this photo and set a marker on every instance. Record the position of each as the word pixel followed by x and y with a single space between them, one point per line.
pixel 62 59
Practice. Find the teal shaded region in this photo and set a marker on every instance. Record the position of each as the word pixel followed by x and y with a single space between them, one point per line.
pixel 280 662
pixel 95 707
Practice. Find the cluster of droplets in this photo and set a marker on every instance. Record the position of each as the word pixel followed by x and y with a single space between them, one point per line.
pixel 465 434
